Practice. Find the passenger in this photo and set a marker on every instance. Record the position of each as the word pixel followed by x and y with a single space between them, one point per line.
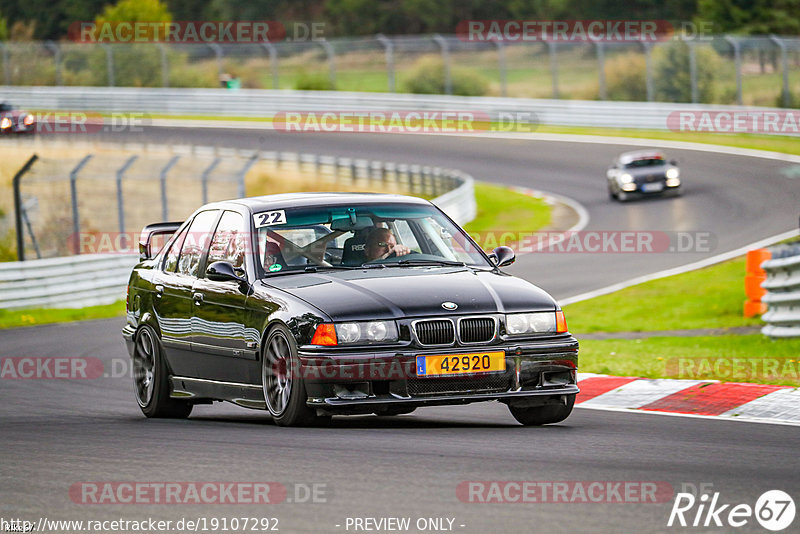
pixel 381 244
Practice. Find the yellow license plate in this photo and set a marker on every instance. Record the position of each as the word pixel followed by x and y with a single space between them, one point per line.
pixel 461 364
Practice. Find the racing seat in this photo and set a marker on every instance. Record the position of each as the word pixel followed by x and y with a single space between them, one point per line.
pixel 353 250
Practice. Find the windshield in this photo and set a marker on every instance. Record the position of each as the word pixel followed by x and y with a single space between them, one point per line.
pixel 645 162
pixel 369 235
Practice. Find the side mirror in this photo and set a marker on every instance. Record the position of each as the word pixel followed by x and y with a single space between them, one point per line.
pixel 502 256
pixel 222 271
pixel 673 163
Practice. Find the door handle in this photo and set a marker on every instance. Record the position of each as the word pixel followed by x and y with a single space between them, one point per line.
pixel 198 298
pixel 159 291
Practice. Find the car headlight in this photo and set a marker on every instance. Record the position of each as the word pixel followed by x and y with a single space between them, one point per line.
pixel 354 333
pixel 28 120
pixel 673 173
pixel 520 324
pixel 626 178
pixel 5 122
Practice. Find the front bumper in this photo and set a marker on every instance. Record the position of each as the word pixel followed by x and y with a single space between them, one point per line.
pixel 536 373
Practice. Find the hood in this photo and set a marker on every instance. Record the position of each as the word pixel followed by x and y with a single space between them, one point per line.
pixel 394 293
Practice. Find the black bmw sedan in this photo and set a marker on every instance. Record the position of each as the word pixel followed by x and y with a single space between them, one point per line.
pixel 310 305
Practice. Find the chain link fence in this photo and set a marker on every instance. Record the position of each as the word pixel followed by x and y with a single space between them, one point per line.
pixel 94 198
pixel 759 70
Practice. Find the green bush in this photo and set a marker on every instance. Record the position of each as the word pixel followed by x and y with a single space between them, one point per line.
pixel 315 81
pixel 427 77
pixel 672 77
pixel 626 77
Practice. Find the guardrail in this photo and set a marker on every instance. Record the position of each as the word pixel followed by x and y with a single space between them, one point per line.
pixel 89 280
pixel 783 293
pixel 264 103
pixel 71 282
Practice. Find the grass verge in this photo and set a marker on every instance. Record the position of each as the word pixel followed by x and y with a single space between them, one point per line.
pixel 37 316
pixel 707 298
pixel 502 209
pixel 747 358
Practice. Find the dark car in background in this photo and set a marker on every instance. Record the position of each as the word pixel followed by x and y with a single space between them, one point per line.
pixel 642 173
pixel 310 305
pixel 13 121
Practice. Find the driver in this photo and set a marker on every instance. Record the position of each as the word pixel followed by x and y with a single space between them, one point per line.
pixel 381 244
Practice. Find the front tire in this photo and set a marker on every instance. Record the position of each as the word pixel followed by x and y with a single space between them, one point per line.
pixel 151 379
pixel 543 415
pixel 284 389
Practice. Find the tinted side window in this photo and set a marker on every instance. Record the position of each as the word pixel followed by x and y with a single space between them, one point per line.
pixel 229 243
pixel 196 242
pixel 171 257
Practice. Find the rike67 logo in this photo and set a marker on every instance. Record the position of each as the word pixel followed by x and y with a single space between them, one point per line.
pixel 774 510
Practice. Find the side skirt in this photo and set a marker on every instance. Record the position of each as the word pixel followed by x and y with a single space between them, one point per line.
pixel 245 395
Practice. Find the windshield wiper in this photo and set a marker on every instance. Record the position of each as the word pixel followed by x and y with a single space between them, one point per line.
pixel 315 268
pixel 447 263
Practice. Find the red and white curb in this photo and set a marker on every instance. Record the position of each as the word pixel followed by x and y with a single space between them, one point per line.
pixel 693 398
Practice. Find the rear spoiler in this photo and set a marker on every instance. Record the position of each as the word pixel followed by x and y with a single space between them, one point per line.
pixel 148 246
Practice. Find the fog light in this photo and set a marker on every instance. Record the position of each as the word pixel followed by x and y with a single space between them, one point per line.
pixel 629 187
pixel 673 182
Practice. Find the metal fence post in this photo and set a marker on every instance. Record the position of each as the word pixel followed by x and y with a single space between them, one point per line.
pixel 164 65
pixel 601 70
pixel 163 178
pixel 16 182
pixel 6 65
pixel 73 192
pixel 273 62
pixel 109 63
pixel 693 70
pixel 389 47
pixel 737 57
pixel 204 178
pixel 329 51
pixel 242 173
pixel 120 201
pixel 218 53
pixel 501 65
pixel 551 45
pixel 448 80
pixel 785 94
pixel 53 47
pixel 648 69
